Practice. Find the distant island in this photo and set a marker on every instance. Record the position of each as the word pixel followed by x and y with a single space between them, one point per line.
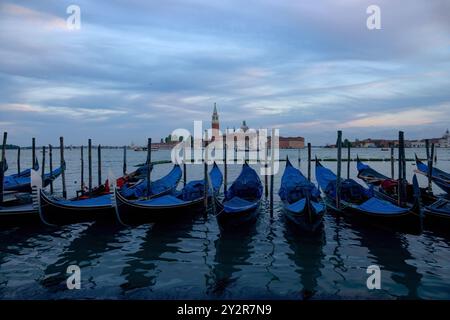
pixel 11 146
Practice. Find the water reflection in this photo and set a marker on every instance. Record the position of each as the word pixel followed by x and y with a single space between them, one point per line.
pixel 337 259
pixel 141 270
pixel 83 251
pixel 307 254
pixel 389 250
pixel 233 250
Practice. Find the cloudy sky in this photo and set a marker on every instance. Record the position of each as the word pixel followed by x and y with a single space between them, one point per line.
pixel 140 69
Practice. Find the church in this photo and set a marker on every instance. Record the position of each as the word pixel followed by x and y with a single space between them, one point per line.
pixel 252 136
pixel 239 135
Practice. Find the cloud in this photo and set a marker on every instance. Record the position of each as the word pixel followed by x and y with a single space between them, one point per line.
pixel 32 17
pixel 65 112
pixel 308 68
pixel 397 120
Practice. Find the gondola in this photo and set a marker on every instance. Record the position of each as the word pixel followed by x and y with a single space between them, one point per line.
pixel 18 213
pixel 216 178
pixel 132 178
pixel 240 204
pixel 361 204
pixel 167 207
pixel 436 211
pixel 20 182
pixel 438 214
pixel 138 189
pixel 18 207
pixel 55 211
pixel 387 188
pixel 439 177
pixel 301 199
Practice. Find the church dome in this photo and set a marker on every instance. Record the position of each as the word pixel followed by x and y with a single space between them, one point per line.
pixel 244 126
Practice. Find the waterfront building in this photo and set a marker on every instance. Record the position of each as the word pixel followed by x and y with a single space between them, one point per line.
pixel 444 142
pixel 244 133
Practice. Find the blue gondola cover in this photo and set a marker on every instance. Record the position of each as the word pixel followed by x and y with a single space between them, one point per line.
pixel 246 186
pixel 165 183
pixel 193 190
pixel 216 178
pixel 294 185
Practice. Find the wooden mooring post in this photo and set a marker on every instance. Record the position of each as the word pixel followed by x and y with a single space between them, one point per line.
pixel 348 159
pixel 339 167
pixel 392 163
pixel 184 164
pixel 33 154
pixel 205 171
pixel 309 161
pixel 99 164
pixel 149 166
pixel 124 166
pixel 63 167
pixel 50 165
pixel 225 167
pixel 401 168
pixel 43 165
pixel 18 160
pixel 90 165
pixel 2 164
pixel 82 169
pixel 272 169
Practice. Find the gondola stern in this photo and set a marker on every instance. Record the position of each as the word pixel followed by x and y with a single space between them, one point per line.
pixel 117 202
pixel 417 206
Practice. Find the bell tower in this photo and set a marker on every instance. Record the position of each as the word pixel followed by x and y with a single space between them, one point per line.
pixel 215 123
pixel 215 119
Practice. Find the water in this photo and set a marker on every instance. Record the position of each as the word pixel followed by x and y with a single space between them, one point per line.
pixel 193 260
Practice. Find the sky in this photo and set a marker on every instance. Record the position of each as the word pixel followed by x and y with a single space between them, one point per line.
pixel 138 69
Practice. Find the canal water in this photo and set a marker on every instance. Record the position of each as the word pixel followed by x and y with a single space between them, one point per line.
pixel 192 259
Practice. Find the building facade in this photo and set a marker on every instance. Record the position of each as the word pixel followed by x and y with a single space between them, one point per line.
pixel 249 137
pixel 292 142
pixel 444 142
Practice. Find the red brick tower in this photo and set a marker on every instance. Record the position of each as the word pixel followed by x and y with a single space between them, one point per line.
pixel 215 123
